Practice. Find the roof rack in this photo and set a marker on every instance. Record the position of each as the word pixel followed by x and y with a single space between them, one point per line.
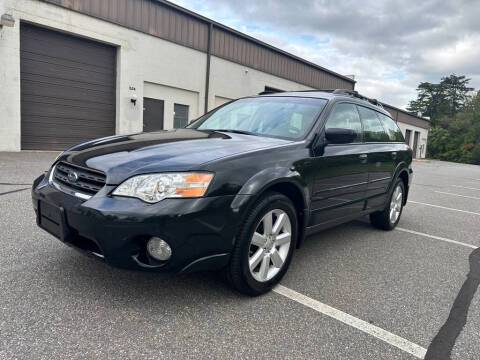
pixel 346 92
pixel 355 93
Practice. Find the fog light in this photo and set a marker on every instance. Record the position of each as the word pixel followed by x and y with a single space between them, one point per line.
pixel 159 249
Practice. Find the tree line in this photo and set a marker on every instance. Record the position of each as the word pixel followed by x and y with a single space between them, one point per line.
pixel 454 111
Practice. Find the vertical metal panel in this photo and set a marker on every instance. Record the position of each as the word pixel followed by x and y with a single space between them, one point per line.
pixel 104 9
pixel 95 7
pixel 130 14
pixel 162 22
pixel 145 16
pixel 137 14
pixel 112 9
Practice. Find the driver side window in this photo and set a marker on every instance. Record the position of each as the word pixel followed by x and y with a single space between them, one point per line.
pixel 345 116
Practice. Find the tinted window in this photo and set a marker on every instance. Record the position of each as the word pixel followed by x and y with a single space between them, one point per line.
pixel 284 117
pixel 345 116
pixel 372 127
pixel 391 127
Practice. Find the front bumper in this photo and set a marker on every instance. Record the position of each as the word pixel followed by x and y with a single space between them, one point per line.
pixel 200 231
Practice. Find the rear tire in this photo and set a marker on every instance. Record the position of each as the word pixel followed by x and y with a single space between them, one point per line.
pixel 264 245
pixel 390 216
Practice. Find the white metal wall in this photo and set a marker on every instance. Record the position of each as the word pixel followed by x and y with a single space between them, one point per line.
pixel 422 139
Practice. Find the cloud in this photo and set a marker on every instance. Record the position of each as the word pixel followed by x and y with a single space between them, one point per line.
pixel 390 46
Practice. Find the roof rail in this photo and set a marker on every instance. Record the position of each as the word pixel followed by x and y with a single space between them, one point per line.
pixel 346 92
pixel 355 93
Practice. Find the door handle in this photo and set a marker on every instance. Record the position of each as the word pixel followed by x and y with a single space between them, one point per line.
pixel 363 158
pixel 394 155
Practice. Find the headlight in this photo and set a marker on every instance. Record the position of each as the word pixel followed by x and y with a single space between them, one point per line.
pixel 155 187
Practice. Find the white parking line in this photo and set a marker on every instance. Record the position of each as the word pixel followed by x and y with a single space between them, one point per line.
pixel 464 196
pixel 436 237
pixel 443 207
pixel 466 187
pixel 375 331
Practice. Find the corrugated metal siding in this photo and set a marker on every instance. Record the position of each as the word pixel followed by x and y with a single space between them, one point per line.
pixel 146 16
pixel 232 47
pixel 167 22
pixel 406 118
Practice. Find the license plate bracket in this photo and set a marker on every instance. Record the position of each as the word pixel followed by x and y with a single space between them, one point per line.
pixel 52 219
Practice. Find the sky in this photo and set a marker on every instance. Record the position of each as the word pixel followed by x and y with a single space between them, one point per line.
pixel 390 46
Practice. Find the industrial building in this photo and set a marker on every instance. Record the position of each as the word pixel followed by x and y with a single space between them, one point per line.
pixel 73 70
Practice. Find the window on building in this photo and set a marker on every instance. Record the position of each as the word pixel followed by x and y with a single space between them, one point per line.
pixel 345 116
pixel 180 116
pixel 372 127
pixel 391 127
pixel 408 135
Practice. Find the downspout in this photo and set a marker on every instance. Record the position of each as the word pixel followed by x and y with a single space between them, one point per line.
pixel 207 73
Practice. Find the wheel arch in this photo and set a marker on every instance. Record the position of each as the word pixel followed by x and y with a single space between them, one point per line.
pixel 288 184
pixel 402 173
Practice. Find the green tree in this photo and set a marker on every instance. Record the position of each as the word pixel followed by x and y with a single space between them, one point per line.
pixel 441 102
pixel 455 92
pixel 430 101
pixel 455 118
pixel 459 140
pixel 476 154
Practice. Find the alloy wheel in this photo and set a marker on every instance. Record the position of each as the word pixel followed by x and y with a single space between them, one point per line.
pixel 269 245
pixel 396 204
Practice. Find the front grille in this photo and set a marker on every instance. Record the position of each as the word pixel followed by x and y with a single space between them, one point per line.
pixel 86 181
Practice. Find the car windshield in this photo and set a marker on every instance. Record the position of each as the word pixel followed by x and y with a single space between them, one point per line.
pixel 282 117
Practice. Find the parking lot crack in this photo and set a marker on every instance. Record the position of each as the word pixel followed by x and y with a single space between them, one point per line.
pixel 13 191
pixel 442 344
pixel 13 184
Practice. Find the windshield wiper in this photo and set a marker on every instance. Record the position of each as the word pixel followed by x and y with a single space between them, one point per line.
pixel 244 132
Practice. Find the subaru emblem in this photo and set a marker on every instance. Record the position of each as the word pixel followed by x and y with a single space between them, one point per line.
pixel 72 176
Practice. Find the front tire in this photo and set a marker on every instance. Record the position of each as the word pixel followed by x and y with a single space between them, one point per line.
pixel 264 245
pixel 390 216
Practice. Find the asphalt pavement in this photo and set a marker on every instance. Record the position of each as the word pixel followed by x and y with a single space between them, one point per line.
pixel 359 293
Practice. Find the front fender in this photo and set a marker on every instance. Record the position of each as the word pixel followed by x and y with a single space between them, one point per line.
pixel 261 181
pixel 266 179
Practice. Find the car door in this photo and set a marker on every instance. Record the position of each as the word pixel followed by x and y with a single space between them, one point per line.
pixel 380 157
pixel 341 172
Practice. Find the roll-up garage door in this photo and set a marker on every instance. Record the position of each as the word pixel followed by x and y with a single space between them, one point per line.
pixel 67 89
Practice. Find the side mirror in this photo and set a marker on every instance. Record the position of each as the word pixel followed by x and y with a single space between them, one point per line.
pixel 340 135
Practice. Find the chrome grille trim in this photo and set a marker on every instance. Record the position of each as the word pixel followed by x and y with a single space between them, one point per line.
pixel 87 182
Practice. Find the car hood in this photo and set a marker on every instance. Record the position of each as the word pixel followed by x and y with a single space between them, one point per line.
pixel 123 156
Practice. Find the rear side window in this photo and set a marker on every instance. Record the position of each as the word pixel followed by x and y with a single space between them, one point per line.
pixel 391 127
pixel 345 116
pixel 372 127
